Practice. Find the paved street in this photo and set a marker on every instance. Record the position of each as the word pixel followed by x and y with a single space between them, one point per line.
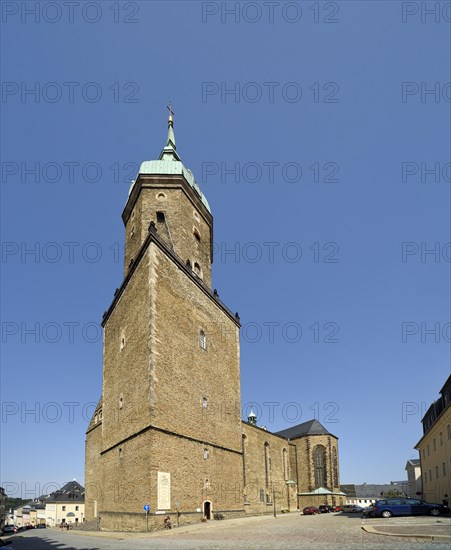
pixel 284 533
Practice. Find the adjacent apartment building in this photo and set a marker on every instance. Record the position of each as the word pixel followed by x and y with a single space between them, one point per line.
pixel 435 448
pixel 67 505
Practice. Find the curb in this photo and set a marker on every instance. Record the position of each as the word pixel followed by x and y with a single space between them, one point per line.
pixel 374 531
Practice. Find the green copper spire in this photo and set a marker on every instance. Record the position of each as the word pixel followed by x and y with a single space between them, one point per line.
pixel 169 163
pixel 170 150
pixel 171 136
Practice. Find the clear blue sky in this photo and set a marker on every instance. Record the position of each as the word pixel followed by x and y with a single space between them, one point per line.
pixel 354 94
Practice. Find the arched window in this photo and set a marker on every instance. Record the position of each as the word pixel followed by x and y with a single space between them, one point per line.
pixel 243 450
pixel 197 270
pixel 319 458
pixel 267 465
pixel 285 464
pixel 196 233
pixel 335 466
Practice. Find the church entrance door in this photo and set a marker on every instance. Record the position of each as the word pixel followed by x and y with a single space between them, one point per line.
pixel 207 509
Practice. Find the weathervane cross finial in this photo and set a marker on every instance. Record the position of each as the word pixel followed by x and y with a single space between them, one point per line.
pixel 171 112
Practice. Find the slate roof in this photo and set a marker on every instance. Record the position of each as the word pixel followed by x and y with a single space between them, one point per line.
pixel 311 427
pixel 414 461
pixel 71 492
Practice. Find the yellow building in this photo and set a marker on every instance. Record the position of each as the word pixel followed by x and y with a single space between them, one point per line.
pixel 435 448
pixel 67 505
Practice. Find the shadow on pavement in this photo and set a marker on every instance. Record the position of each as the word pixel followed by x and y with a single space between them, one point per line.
pixel 37 543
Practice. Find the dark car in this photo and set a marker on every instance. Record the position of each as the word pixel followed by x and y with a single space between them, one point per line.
pixel 407 507
pixel 324 509
pixel 310 511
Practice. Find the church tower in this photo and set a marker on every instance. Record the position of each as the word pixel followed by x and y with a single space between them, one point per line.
pixel 167 194
pixel 167 429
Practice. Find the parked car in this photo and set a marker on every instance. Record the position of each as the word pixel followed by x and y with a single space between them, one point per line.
pixel 407 507
pixel 352 509
pixel 368 512
pixel 9 529
pixel 324 509
pixel 310 511
pixel 336 508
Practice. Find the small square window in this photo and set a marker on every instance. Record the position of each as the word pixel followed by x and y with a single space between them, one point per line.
pixel 63 508
pixel 76 508
pixel 160 217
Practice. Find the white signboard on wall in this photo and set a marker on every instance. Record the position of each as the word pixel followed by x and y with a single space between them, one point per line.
pixel 164 491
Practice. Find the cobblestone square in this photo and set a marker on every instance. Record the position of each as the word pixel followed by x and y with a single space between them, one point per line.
pixel 285 532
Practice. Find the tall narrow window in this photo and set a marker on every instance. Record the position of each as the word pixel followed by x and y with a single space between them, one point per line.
pixel 267 464
pixel 205 454
pixel 243 450
pixel 319 458
pixel 285 464
pixel 202 340
pixel 335 466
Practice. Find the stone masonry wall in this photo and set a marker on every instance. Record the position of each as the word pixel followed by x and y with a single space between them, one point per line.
pixel 279 472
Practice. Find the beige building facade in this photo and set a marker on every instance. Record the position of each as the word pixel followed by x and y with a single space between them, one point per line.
pixel 66 505
pixel 167 432
pixel 435 448
pixel 413 487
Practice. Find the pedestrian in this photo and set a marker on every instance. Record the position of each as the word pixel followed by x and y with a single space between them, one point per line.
pixel 167 523
pixel 445 501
